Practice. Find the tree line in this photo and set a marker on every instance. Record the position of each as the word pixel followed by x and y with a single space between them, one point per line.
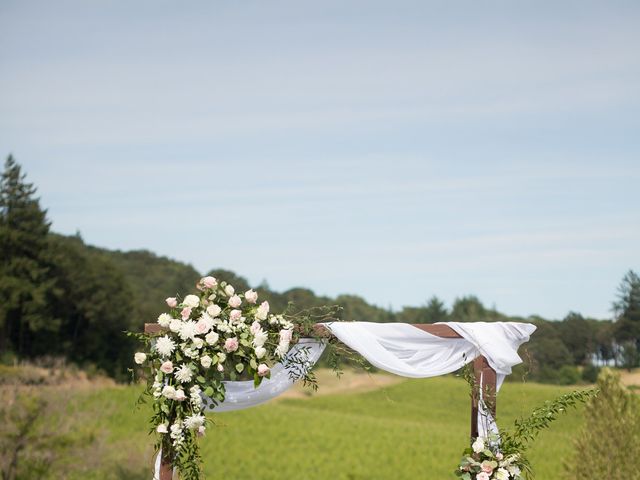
pixel 60 297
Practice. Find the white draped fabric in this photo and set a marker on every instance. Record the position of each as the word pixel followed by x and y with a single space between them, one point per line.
pixel 407 351
pixel 241 395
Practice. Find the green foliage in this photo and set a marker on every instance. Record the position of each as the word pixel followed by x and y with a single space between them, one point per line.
pixel 25 280
pixel 590 373
pixel 609 445
pixel 38 435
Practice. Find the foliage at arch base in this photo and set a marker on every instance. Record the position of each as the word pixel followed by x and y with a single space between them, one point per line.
pixel 210 337
pixel 484 461
pixel 503 456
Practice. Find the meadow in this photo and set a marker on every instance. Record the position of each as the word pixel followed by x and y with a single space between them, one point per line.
pixel 408 429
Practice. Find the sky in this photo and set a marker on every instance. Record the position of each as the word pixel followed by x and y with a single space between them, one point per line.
pixel 393 150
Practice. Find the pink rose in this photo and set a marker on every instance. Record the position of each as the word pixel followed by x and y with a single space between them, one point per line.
pixel 167 367
pixel 208 282
pixel 186 312
pixel 172 302
pixel 231 344
pixel 255 327
pixel 202 326
pixel 220 368
pixel 263 370
pixel 483 476
pixel 180 396
pixel 251 296
pixel 486 467
pixel 235 315
pixel 201 430
pixel 235 301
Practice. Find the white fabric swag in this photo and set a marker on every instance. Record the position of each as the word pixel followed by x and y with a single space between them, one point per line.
pixel 300 359
pixel 407 351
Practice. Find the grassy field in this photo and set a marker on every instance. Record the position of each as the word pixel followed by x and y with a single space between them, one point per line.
pixel 406 430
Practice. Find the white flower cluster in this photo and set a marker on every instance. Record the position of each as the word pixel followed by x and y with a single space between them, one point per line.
pixel 488 463
pixel 208 338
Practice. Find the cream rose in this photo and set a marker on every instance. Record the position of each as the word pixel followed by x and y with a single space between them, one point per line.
pixel 191 301
pixel 205 361
pixel 251 296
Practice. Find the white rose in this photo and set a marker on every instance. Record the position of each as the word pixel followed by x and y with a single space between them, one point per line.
pixel 263 311
pixel 175 325
pixel 198 342
pixel 478 445
pixel 140 357
pixel 501 474
pixel 212 338
pixel 164 320
pixel 180 395
pixel 205 361
pixel 260 352
pixel 229 290
pixel 191 301
pixel 214 310
pixel 162 428
pixel 222 357
pixel 169 392
pixel 514 470
pixel 220 368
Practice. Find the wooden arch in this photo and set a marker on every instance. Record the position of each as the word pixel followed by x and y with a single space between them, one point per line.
pixel 482 370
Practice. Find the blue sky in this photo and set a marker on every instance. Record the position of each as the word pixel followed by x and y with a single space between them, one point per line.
pixel 394 150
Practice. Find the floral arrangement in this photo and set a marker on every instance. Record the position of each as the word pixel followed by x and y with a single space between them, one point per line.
pixel 484 461
pixel 208 338
pixel 502 456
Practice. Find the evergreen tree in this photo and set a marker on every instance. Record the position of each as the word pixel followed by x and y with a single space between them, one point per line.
pixel 627 310
pixel 25 283
pixel 435 311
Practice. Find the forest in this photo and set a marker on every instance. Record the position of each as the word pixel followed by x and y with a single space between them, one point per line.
pixel 63 299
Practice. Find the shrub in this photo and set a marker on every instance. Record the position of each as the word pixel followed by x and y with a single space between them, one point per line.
pixel 590 373
pixel 609 445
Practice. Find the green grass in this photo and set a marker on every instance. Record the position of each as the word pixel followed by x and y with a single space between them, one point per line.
pixel 414 429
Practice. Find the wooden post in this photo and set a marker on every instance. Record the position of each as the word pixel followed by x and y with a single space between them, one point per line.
pixel 485 379
pixel 484 375
pixel 166 469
